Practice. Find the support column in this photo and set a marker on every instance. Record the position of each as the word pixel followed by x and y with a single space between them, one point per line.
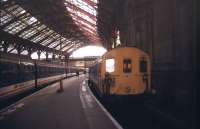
pixel 30 51
pixel 66 64
pixel 59 56
pixel 36 74
pixel 53 57
pixel 19 50
pixel 47 54
pixel 39 54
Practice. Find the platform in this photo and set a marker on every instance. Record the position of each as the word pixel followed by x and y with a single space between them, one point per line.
pixel 74 108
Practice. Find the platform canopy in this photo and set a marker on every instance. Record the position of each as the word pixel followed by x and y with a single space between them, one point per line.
pixel 61 25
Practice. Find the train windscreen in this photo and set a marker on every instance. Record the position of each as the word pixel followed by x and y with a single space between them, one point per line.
pixel 110 65
pixel 127 66
pixel 143 66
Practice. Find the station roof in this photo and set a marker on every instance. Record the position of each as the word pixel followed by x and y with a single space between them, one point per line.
pixel 63 25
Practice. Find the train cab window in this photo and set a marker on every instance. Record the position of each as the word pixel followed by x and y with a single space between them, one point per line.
pixel 127 66
pixel 143 66
pixel 110 65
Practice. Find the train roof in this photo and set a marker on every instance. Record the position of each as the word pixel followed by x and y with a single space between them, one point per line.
pixel 121 48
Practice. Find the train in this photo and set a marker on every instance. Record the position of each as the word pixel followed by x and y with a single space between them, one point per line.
pixel 18 76
pixel 122 71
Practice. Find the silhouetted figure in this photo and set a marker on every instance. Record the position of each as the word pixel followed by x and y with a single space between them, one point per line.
pixel 107 83
pixel 77 73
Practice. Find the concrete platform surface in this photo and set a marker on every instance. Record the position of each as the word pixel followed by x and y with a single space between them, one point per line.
pixel 74 108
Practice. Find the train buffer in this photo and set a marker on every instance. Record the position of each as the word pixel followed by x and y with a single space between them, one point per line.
pixel 75 108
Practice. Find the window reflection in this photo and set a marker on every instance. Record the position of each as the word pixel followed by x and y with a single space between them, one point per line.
pixel 110 65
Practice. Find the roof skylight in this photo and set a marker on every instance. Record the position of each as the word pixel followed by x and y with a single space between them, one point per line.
pixel 84 12
pixel 17 21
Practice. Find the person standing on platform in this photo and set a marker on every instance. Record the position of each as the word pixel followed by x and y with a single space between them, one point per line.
pixel 77 73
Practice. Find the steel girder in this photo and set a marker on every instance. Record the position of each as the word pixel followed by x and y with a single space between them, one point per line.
pixel 12 39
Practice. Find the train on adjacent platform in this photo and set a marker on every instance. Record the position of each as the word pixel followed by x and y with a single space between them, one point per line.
pixel 17 76
pixel 123 71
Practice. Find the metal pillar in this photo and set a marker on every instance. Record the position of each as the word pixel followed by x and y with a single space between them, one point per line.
pixel 19 50
pixel 36 73
pixel 30 51
pixel 47 54
pixel 39 54
pixel 61 82
pixel 53 57
pixel 66 64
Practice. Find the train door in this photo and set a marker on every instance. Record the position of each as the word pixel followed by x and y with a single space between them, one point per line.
pixel 99 76
pixel 109 70
pixel 127 75
pixel 143 69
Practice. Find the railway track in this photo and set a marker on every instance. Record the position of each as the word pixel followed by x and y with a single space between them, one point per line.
pixel 141 114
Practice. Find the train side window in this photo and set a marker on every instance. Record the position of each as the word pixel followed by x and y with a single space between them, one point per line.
pixel 143 66
pixel 127 66
pixel 110 65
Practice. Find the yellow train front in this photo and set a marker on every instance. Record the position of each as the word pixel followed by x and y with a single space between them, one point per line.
pixel 122 72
